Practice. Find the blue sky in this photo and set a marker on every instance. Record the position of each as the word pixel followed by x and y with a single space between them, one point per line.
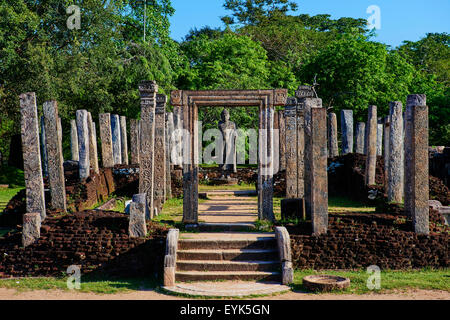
pixel 400 19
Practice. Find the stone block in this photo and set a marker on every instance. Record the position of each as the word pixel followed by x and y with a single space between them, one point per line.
pixel 31 229
pixel 137 227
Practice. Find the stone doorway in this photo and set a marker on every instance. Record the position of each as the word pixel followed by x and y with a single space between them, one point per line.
pixel 188 102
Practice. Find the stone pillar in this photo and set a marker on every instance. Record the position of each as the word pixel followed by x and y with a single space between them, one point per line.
pixel 106 139
pixel 396 164
pixel 93 155
pixel 333 150
pixel 380 138
pixel 134 141
pixel 116 141
pixel 55 158
pixel 290 114
pixel 44 149
pixel 142 198
pixel 316 178
pixel 83 143
pixel 74 141
pixel 123 139
pixel 31 228
pixel 347 131
pixel 371 145
pixel 34 183
pixel 386 138
pixel 282 126
pixel 416 165
pixel 160 153
pixel 60 132
pixel 147 91
pixel 300 147
pixel 137 227
pixel 169 133
pixel 177 138
pixel 360 137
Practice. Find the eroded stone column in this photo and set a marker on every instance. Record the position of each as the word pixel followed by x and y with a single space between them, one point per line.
pixel 282 126
pixel 169 132
pixel 116 141
pixel 360 137
pixel 83 143
pixel 55 158
pixel 93 155
pixel 160 153
pixel 123 140
pixel 316 178
pixel 137 227
pixel 371 145
pixel 34 183
pixel 44 149
pixel 347 131
pixel 290 114
pixel 386 138
pixel 380 138
pixel 147 91
pixel 396 163
pixel 31 228
pixel 74 140
pixel 134 141
pixel 177 138
pixel 332 135
pixel 106 139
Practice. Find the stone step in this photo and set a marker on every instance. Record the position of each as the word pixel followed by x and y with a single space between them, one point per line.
pixel 226 227
pixel 184 276
pixel 231 254
pixel 209 266
pixel 260 243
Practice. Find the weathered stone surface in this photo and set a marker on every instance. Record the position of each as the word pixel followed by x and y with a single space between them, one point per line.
pixel 285 253
pixel 123 139
pixel 83 143
pixel 360 137
pixel 291 148
pixel 371 145
pixel 411 101
pixel 44 149
pixel 147 91
pixel 106 139
pixel 418 169
pixel 93 154
pixel 134 141
pixel 300 148
pixel 333 150
pixel 316 179
pixel 177 141
pixel 160 153
pixel 386 138
pixel 137 227
pixel 34 183
pixel 282 128
pixel 170 257
pixel 55 158
pixel 380 130
pixel 74 140
pixel 228 130
pixel 325 283
pixel 116 141
pixel 169 132
pixel 31 229
pixel 142 198
pixel 395 166
pixel 60 131
pixel 347 131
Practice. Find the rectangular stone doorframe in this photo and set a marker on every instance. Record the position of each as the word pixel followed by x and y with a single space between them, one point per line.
pixel 190 101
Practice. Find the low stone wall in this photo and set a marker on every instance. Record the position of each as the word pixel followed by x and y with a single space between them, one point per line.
pixel 97 241
pixel 361 240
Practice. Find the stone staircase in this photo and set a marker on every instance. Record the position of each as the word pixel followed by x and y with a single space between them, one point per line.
pixel 227 256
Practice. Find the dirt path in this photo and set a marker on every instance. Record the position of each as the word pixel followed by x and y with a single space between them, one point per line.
pixel 11 294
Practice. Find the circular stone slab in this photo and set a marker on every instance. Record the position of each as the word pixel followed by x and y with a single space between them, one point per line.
pixel 325 283
pixel 227 288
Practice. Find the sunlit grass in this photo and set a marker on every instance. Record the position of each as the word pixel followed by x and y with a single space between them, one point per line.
pixel 426 279
pixel 236 187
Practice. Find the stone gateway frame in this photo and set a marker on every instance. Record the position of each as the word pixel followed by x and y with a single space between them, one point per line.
pixel 189 101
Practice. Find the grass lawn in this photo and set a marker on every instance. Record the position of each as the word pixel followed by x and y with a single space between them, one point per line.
pixel 236 187
pixel 426 279
pixel 88 284
pixel 5 195
pixel 12 176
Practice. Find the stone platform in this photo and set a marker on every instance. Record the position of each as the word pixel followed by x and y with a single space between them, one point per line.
pixel 228 288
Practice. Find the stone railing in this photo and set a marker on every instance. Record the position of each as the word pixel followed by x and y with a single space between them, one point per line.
pixel 284 249
pixel 170 259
